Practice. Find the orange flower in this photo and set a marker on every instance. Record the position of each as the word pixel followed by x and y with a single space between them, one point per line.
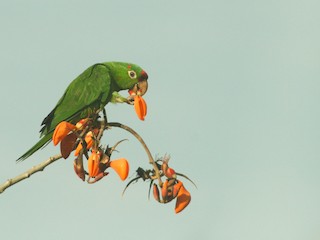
pixel 140 106
pixel 121 166
pixel 167 171
pixel 61 131
pixel 89 141
pixel 93 163
pixel 171 189
pixel 183 199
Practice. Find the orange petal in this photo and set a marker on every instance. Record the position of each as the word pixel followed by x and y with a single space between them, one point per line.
pixel 78 149
pixel 93 164
pixel 67 145
pixel 89 142
pixel 121 166
pixel 176 189
pixel 61 131
pixel 170 173
pixel 140 106
pixel 164 190
pixel 183 199
pixel 82 123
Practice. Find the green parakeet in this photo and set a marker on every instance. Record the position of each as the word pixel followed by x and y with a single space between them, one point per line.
pixel 90 92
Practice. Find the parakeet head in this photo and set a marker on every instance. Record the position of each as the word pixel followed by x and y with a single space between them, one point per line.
pixel 130 76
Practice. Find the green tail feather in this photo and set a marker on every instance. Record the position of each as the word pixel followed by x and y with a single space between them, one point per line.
pixel 42 142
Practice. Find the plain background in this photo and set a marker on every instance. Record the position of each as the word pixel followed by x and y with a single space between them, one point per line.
pixel 233 98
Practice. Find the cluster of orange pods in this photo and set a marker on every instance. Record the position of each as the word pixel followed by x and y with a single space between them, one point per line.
pixel 171 189
pixel 67 134
pixel 82 138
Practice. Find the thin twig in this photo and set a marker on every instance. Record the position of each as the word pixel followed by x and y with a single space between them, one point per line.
pixel 28 173
pixel 134 133
pixel 102 128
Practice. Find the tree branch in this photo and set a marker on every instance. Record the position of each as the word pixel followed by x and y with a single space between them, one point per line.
pixel 134 133
pixel 28 173
pixel 43 165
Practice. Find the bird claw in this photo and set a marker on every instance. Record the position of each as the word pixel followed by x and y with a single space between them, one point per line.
pixel 130 100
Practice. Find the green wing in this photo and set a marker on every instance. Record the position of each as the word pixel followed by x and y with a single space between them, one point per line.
pixel 87 93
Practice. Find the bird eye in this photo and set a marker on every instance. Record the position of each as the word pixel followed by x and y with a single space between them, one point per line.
pixel 132 74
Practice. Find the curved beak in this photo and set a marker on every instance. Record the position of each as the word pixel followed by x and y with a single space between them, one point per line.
pixel 141 87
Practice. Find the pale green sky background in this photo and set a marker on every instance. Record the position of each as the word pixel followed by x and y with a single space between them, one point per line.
pixel 233 98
